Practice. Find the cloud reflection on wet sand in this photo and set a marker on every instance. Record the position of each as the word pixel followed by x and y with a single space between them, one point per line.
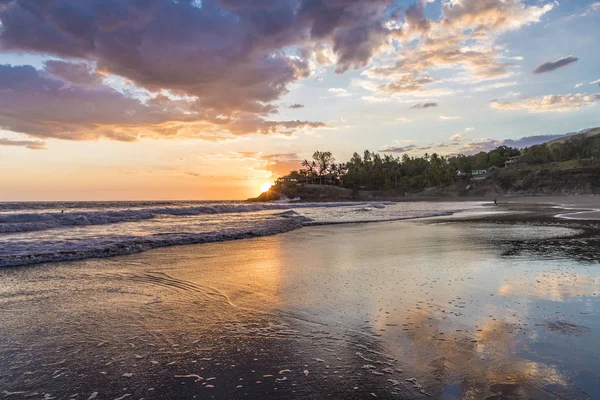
pixel 393 309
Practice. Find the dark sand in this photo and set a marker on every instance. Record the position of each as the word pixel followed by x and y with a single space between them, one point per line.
pixel 487 305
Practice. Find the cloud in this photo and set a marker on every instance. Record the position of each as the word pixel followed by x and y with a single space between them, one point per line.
pixel 398 149
pixel 339 92
pixel 446 117
pixel 424 105
pixel 462 39
pixel 460 145
pixel 83 112
pixel 415 17
pixel 233 58
pixel 551 103
pixel 402 120
pixel 554 65
pixel 578 85
pixel 499 15
pixel 296 105
pixel 490 144
pixel 496 85
pixel 230 54
pixel 591 9
pixel 277 164
pixel 594 82
pixel 216 70
pixel 75 73
pixel 30 144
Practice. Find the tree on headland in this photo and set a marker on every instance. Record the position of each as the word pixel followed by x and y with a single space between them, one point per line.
pixel 323 160
pixel 374 171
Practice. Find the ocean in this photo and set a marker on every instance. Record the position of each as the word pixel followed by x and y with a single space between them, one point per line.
pixel 38 232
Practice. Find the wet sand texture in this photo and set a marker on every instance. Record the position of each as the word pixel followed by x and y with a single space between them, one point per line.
pixel 471 310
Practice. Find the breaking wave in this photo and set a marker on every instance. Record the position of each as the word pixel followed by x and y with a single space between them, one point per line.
pixel 125 245
pixel 42 233
pixel 28 222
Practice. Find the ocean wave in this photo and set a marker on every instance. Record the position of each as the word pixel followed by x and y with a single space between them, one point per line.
pixel 28 222
pixel 124 245
pixel 19 246
pixel 284 222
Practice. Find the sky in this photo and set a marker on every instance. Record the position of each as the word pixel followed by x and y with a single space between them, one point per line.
pixel 213 99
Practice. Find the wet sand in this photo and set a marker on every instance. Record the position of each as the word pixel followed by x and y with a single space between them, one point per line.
pixel 487 305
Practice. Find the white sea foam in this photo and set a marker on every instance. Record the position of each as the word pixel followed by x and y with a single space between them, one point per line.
pixel 33 233
pixel 34 221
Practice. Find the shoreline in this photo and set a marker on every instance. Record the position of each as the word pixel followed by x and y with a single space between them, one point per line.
pixel 552 208
pixel 488 304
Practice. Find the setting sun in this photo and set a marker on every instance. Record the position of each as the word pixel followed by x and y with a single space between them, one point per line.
pixel 265 186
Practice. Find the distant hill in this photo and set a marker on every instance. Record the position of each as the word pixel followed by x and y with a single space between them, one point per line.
pixel 584 134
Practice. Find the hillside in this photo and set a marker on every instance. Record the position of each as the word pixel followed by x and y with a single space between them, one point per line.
pixel 567 178
pixel 586 134
pixel 568 165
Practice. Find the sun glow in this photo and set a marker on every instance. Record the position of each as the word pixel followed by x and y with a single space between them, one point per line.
pixel 265 186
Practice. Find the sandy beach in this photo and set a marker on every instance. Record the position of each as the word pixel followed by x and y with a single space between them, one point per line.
pixel 498 303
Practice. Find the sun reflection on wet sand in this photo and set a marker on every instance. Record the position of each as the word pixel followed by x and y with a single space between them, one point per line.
pixel 395 309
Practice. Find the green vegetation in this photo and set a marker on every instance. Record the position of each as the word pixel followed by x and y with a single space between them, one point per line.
pixel 578 148
pixel 372 171
pixel 375 172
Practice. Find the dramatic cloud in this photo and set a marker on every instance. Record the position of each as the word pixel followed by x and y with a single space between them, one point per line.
pixel 30 144
pixel 499 15
pixel 35 103
pixel 75 73
pixel 551 103
pixel 233 58
pixel 214 69
pixel 462 39
pixel 415 17
pixel 554 65
pixel 228 53
pixel 296 105
pixel 424 105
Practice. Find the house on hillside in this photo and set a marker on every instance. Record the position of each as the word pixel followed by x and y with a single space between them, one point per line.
pixel 286 179
pixel 292 179
pixel 478 174
pixel 512 161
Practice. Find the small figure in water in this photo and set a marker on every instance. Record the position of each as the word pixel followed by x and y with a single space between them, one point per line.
pixel 495 201
pixel 62 211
